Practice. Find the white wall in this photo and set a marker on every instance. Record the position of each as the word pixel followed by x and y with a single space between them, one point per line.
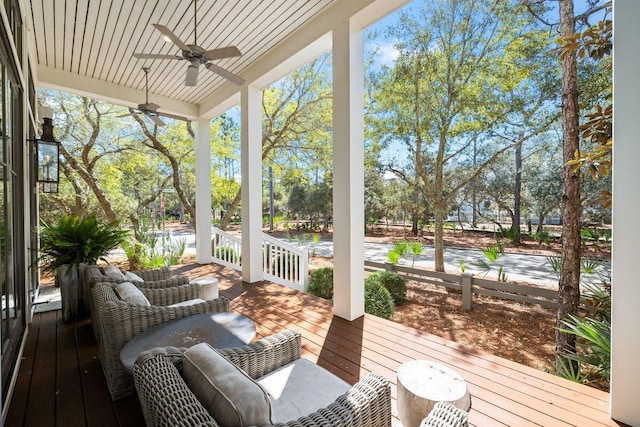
pixel 625 335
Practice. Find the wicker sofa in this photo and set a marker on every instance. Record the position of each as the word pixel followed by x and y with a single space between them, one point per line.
pixel 157 278
pixel 167 400
pixel 118 321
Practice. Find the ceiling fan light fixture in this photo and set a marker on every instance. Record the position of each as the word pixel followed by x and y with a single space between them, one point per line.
pixel 192 75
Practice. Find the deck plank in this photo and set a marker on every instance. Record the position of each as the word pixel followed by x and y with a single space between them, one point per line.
pixel 99 408
pixel 40 408
pixel 504 393
pixel 69 398
pixel 18 406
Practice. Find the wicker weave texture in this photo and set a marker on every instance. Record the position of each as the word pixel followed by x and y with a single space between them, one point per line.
pixel 167 401
pixel 444 414
pixel 120 321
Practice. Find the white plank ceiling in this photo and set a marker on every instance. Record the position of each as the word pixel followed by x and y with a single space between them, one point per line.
pixel 96 38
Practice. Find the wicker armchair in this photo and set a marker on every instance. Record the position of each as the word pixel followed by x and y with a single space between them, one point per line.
pixel 167 401
pixel 444 414
pixel 119 321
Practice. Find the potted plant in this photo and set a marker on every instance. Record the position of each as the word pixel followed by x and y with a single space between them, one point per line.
pixel 69 242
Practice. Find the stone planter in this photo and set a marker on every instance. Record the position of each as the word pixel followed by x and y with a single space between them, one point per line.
pixel 67 280
pixel 75 302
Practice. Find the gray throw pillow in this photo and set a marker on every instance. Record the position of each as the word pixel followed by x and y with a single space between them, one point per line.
pixel 132 277
pixel 113 272
pixel 232 397
pixel 128 292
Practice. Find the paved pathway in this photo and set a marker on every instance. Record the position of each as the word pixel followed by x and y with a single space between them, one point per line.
pixel 518 267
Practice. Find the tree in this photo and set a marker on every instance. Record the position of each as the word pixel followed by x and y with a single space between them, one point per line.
pixel 106 163
pixel 569 283
pixel 225 161
pixel 543 178
pixel 319 203
pixel 154 140
pixel 458 62
pixel 296 122
pixel 297 201
pixel 374 206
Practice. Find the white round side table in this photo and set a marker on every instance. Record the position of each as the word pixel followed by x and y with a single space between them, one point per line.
pixel 422 384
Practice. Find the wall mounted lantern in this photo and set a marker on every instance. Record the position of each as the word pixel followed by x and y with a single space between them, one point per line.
pixel 48 150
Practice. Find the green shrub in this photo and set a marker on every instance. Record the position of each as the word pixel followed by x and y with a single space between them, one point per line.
pixel 543 237
pixel 393 282
pixel 321 283
pixel 227 253
pixel 377 300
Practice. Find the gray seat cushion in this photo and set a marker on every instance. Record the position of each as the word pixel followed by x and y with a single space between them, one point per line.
pixel 299 389
pixel 232 397
pixel 187 302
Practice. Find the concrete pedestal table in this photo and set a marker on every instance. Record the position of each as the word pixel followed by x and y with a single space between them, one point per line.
pixel 221 330
pixel 422 384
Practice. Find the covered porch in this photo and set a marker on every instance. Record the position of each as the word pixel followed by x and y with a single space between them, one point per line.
pixel 338 337
pixel 60 382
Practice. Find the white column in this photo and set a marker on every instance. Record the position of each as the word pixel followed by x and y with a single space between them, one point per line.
pixel 203 191
pixel 348 171
pixel 251 191
pixel 625 338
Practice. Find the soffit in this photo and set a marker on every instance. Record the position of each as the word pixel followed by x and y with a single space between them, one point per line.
pixel 94 40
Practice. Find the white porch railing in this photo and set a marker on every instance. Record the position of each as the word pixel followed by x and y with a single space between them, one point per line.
pixel 226 248
pixel 285 264
pixel 282 263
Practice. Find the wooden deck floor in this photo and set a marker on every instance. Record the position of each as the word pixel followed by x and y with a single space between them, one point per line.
pixel 60 381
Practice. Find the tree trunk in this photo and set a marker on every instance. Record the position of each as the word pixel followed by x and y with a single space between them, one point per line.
pixel 226 219
pixel 438 238
pixel 474 189
pixel 414 214
pixel 515 225
pixel 569 284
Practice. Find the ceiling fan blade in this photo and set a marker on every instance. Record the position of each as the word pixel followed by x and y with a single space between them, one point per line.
pixel 224 73
pixel 167 32
pixel 192 75
pixel 126 115
pixel 156 120
pixel 154 56
pixel 224 52
pixel 173 116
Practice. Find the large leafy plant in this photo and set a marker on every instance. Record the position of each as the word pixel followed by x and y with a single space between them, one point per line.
pixel 73 240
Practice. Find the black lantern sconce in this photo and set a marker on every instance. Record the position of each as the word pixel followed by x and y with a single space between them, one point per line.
pixel 48 154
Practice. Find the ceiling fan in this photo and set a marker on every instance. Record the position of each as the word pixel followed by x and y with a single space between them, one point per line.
pixel 150 109
pixel 196 55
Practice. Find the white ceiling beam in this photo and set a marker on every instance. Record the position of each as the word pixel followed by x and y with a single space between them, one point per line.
pixel 303 45
pixel 97 89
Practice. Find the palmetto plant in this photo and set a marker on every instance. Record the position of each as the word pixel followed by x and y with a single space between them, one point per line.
pixel 73 240
pixel 596 344
pixel 399 249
